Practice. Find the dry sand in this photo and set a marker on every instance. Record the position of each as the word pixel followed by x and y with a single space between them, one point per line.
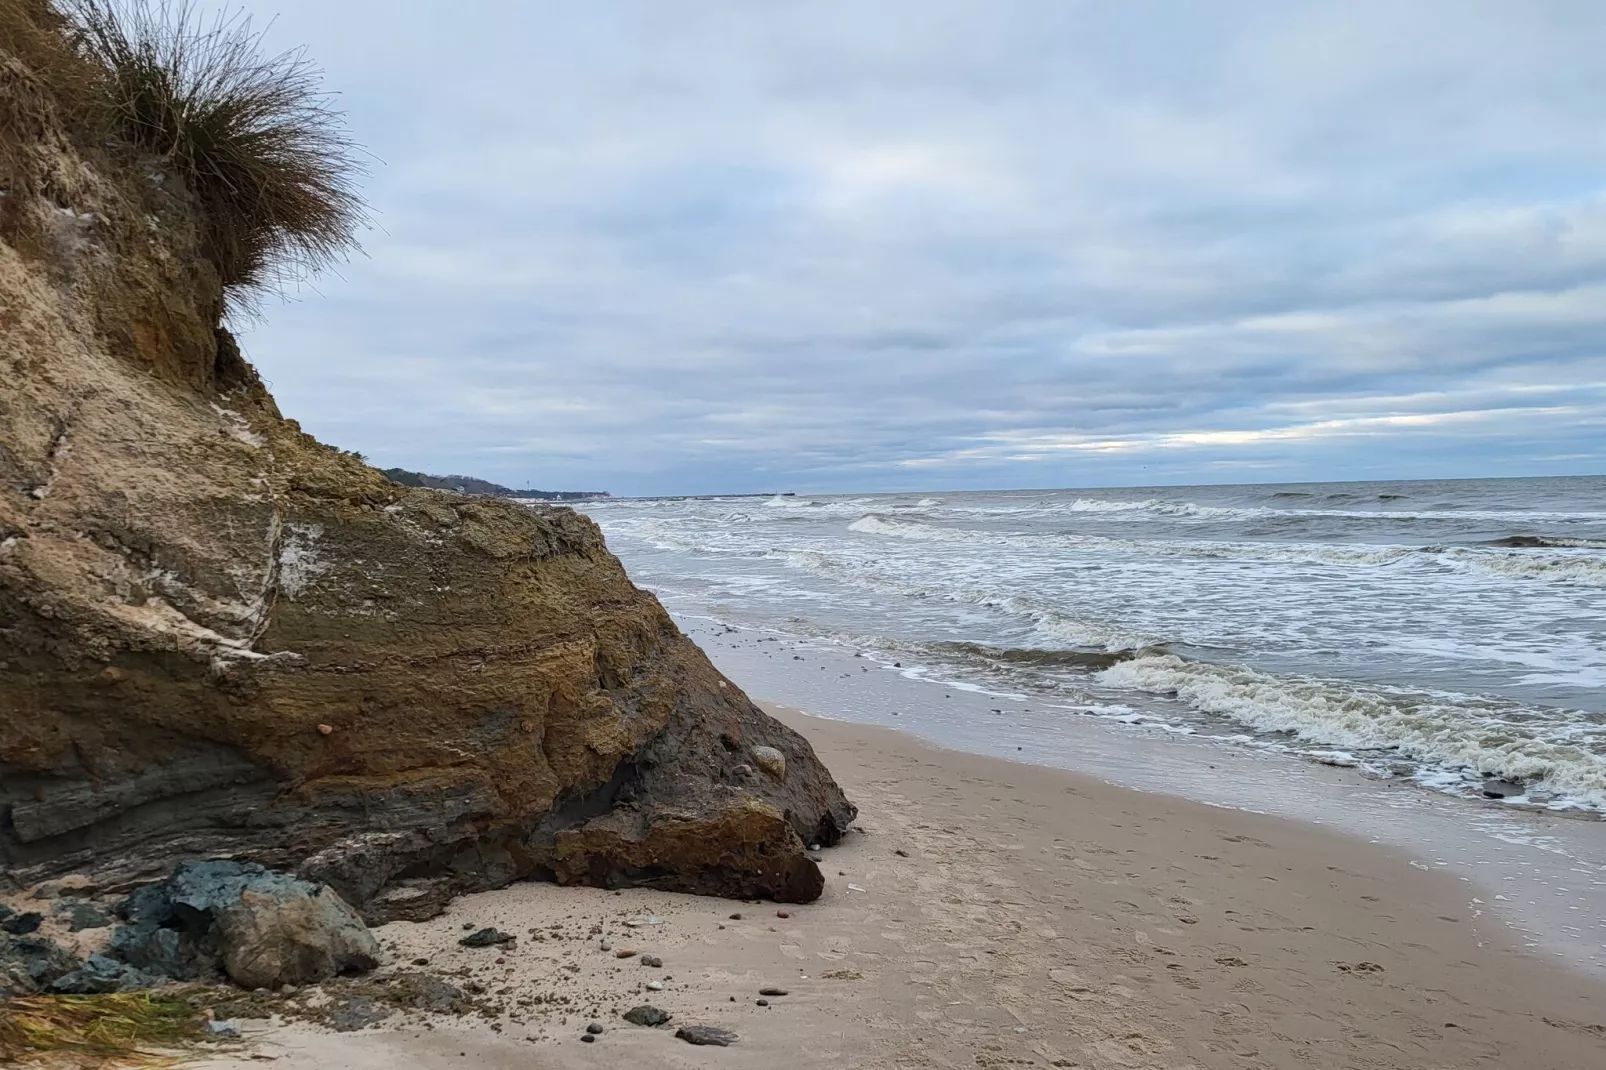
pixel 992 914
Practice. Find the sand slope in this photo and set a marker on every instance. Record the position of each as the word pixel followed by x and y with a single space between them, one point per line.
pixel 1035 918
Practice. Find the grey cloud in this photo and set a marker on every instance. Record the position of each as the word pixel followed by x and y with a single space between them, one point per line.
pixel 712 246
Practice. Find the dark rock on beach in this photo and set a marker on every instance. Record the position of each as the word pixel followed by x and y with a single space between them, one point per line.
pixel 356 1012
pixel 706 1035
pixel 488 938
pixel 646 1014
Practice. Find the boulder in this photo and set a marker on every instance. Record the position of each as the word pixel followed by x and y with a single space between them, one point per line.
pixel 262 928
pixel 30 963
pixel 237 641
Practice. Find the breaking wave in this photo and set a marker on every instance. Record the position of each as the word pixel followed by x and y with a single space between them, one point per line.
pixel 1553 750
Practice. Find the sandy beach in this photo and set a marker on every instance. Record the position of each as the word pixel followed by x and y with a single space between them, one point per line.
pixel 991 914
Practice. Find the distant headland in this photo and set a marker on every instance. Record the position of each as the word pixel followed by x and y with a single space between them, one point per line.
pixel 471 485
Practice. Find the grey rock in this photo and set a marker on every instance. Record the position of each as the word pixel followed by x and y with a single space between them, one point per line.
pixel 263 928
pixel 652 960
pixel 587 1038
pixel 771 761
pixel 356 1012
pixel 22 924
pixel 81 915
pixel 1498 788
pixel 29 964
pixel 163 952
pixel 102 973
pixel 646 1014
pixel 594 1027
pixel 706 1035
pixel 488 938
pixel 226 1030
pixel 408 901
pixel 434 995
pixel 772 990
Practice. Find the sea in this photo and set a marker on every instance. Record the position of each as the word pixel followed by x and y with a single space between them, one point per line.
pixel 1419 663
pixel 1450 632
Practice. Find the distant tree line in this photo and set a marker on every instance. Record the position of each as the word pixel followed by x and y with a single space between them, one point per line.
pixel 471 485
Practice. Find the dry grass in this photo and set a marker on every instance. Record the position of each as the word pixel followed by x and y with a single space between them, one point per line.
pixel 120 1029
pixel 257 141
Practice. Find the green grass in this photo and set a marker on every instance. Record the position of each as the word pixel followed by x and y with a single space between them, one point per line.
pixel 258 143
pixel 114 1029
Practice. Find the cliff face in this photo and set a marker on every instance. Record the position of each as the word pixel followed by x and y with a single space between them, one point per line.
pixel 219 637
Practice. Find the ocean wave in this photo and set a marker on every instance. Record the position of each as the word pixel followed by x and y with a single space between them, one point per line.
pixel 1579 570
pixel 1546 542
pixel 1118 508
pixel 873 524
pixel 1045 658
pixel 1556 749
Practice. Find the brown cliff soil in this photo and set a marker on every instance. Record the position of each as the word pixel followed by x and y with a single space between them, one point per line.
pixel 219 637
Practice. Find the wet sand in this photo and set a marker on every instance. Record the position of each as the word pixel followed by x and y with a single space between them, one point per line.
pixel 994 914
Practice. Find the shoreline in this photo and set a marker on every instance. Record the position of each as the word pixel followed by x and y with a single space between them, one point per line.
pixel 1543 874
pixel 994 913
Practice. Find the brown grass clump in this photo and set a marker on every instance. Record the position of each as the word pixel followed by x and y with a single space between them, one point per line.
pixel 256 140
pixel 113 1029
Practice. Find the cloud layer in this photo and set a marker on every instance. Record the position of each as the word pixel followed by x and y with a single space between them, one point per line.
pixel 722 246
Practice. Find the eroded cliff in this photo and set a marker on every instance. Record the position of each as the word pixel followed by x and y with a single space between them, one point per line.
pixel 221 638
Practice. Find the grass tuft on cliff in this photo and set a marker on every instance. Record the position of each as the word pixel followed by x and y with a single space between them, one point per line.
pixel 119 1028
pixel 257 141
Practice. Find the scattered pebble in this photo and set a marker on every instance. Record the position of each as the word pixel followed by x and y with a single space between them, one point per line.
pixel 763 1003
pixel 736 917
pixel 771 990
pixel 625 953
pixel 587 1038
pixel 653 961
pixel 594 1028
pixel 655 986
pixel 607 945
pixel 783 914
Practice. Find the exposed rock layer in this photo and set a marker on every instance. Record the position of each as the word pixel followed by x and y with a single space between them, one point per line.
pixel 219 637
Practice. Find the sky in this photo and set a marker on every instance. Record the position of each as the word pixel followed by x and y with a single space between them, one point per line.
pixel 692 246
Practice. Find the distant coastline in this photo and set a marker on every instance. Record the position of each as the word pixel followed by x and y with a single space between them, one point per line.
pixel 472 485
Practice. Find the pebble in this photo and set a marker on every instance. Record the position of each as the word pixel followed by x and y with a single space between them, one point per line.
pixel 607 946
pixel 772 990
pixel 736 917
pixel 625 953
pixel 587 1038
pixel 420 962
pixel 653 961
pixel 594 1028
pixel 705 1034
pixel 655 986
pixel 783 914
pixel 763 1003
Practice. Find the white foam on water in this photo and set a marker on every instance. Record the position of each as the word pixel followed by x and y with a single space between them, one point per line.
pixel 1469 735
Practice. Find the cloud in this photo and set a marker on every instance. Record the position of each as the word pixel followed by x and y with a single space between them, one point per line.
pixel 722 246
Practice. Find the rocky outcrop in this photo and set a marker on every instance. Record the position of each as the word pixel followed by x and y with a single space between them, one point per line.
pixel 221 638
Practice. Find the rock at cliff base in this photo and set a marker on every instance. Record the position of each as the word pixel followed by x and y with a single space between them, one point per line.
pixel 262 928
pixel 30 963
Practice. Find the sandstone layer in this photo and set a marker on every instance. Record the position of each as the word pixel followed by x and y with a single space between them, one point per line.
pixel 221 638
